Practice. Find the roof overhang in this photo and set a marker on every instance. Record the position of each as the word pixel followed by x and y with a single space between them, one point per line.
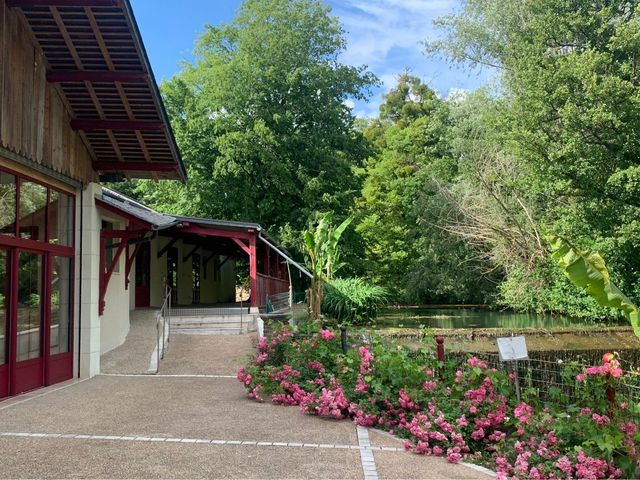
pixel 95 55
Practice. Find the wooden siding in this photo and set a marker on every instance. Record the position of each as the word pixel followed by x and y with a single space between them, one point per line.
pixel 34 119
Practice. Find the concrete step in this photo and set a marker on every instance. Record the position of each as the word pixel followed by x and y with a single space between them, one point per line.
pixel 187 326
pixel 210 319
pixel 207 331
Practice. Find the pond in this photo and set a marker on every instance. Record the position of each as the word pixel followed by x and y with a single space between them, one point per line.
pixel 460 317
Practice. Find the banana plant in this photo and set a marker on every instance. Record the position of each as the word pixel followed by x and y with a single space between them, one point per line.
pixel 586 269
pixel 323 254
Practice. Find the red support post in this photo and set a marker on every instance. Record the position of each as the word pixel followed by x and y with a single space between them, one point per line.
pixel 253 271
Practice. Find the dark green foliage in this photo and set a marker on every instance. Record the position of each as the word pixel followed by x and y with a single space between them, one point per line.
pixel 353 300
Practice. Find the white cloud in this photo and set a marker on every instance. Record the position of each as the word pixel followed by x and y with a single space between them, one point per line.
pixel 349 103
pixel 387 36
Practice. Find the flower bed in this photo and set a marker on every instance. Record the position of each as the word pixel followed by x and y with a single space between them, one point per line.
pixel 457 410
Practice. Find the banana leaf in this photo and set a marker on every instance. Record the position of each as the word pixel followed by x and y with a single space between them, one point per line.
pixel 587 269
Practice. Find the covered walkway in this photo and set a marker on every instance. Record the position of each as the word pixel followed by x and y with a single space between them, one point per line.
pixel 192 420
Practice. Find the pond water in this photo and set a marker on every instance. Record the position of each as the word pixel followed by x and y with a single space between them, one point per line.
pixel 452 317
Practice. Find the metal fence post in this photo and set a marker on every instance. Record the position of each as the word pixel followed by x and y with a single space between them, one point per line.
pixel 343 339
pixel 440 348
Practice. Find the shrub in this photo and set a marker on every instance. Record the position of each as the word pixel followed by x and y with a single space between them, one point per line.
pixel 457 410
pixel 353 300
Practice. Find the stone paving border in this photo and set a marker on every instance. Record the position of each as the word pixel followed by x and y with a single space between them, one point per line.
pixel 206 441
pixel 165 375
pixel 366 454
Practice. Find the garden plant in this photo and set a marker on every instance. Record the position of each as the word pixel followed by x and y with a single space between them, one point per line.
pixel 461 410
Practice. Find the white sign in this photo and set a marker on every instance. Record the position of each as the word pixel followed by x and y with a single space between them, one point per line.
pixel 512 348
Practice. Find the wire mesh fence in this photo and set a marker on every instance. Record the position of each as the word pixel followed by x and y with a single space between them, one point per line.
pixel 548 379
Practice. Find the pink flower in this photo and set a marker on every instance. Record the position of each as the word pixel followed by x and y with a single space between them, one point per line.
pixel 430 385
pixel 327 335
pixel 437 451
pixel 453 455
pixel 261 358
pixel 580 377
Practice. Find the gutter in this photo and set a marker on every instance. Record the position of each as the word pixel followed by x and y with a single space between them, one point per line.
pixel 284 255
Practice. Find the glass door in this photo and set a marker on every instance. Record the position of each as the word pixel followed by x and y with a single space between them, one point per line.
pixel 29 320
pixel 4 323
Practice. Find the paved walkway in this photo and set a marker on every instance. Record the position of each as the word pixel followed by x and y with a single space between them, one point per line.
pixel 192 421
pixel 134 354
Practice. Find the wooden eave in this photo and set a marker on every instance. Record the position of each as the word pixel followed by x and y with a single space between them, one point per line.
pixel 95 54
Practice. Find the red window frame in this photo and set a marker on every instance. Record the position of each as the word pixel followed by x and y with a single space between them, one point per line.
pixel 57 367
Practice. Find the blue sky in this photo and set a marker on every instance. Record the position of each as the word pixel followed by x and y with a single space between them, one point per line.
pixel 383 34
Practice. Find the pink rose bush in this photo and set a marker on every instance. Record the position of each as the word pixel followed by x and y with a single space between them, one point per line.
pixel 456 410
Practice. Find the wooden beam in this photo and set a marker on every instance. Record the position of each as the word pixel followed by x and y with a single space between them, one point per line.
pixel 193 250
pixel 63 3
pixel 129 264
pixel 61 76
pixel 134 167
pixel 88 125
pixel 243 246
pixel 223 262
pixel 164 249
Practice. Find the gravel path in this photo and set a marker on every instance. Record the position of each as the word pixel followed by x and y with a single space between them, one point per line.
pixel 191 421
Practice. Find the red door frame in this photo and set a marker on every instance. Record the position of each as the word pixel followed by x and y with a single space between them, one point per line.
pixel 47 369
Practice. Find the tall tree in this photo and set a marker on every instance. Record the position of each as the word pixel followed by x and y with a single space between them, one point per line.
pixel 261 119
pixel 400 207
pixel 571 123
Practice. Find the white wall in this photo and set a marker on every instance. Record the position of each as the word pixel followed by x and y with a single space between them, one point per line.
pixel 114 322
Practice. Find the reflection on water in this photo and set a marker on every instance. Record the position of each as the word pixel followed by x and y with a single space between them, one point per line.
pixel 476 318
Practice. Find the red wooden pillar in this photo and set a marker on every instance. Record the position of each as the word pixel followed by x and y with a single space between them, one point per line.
pixel 253 271
pixel 267 261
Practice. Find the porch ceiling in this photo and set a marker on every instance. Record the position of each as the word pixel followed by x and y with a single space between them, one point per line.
pixel 95 54
pixel 217 245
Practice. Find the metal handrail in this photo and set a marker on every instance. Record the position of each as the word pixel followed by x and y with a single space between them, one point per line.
pixel 163 318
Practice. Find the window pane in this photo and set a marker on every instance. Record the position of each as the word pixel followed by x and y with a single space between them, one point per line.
pixel 29 311
pixel 60 305
pixel 61 214
pixel 7 204
pixel 33 209
pixel 4 298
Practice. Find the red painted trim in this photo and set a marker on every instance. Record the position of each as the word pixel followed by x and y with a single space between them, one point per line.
pixel 129 264
pixel 41 247
pixel 13 317
pixel 134 166
pixel 128 234
pixel 89 125
pixel 243 246
pixel 45 342
pixel 214 232
pixel 63 3
pixel 105 275
pixel 253 271
pixel 116 211
pixel 61 76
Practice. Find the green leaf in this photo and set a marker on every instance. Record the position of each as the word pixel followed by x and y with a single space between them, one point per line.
pixel 587 269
